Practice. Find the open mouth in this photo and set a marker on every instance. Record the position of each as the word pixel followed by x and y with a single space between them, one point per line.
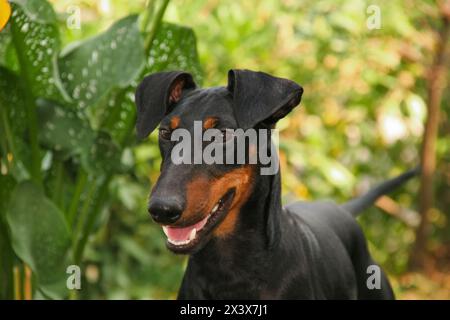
pixel 182 239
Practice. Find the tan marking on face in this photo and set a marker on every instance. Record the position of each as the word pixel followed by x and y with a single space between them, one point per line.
pixel 203 194
pixel 209 123
pixel 174 122
pixel 197 196
pixel 242 180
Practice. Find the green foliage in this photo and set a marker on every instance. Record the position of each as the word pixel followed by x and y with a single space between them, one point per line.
pixel 65 131
pixel 169 51
pixel 14 121
pixel 35 37
pixel 166 51
pixel 90 69
pixel 6 257
pixel 40 235
pixel 67 116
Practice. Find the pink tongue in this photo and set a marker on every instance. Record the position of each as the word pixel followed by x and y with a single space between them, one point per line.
pixel 182 234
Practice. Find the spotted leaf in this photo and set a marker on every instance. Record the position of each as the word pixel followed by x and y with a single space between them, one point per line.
pixel 36 41
pixel 90 69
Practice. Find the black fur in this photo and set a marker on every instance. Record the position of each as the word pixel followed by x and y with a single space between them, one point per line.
pixel 306 250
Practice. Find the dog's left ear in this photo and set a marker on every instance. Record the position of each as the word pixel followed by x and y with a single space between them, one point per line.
pixel 261 98
pixel 156 96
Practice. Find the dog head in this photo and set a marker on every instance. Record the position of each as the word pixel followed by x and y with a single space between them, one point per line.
pixel 195 200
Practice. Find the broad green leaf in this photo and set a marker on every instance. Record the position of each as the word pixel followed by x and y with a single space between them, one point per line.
pixel 8 57
pixel 37 10
pixel 104 155
pixel 7 184
pixel 36 40
pixel 6 264
pixel 12 99
pixel 14 121
pixel 174 48
pixel 68 133
pixel 64 130
pixel 90 69
pixel 40 235
pixel 5 40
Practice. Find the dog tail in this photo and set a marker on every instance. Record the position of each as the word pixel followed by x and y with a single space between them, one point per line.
pixel 357 205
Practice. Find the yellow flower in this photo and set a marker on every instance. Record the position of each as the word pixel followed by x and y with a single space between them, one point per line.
pixel 5 13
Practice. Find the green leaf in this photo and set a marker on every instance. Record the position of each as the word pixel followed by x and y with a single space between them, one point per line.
pixel 7 182
pixel 68 133
pixel 174 48
pixel 36 40
pixel 13 120
pixel 6 254
pixel 64 130
pixel 5 40
pixel 6 265
pixel 40 235
pixel 104 155
pixel 12 99
pixel 90 69
pixel 8 57
pixel 119 114
pixel 37 10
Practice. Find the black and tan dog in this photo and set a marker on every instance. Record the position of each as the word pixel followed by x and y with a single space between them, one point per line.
pixel 229 218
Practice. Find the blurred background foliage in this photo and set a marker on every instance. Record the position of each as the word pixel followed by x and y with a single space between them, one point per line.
pixel 361 121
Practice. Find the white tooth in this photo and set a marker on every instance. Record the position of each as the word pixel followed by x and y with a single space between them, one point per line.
pixel 215 208
pixel 178 243
pixel 166 230
pixel 192 235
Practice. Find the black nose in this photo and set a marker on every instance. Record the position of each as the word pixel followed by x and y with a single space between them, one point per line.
pixel 165 210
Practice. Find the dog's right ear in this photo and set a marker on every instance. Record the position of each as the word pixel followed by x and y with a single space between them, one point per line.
pixel 156 96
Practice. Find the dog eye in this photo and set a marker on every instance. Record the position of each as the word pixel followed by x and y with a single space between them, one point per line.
pixel 165 134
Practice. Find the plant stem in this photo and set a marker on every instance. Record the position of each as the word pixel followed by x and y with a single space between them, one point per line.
pixel 8 136
pixel 155 23
pixel 81 181
pixel 22 280
pixel 57 191
pixel 436 85
pixel 89 225
pixel 82 219
pixel 73 295
pixel 17 283
pixel 27 287
pixel 147 15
